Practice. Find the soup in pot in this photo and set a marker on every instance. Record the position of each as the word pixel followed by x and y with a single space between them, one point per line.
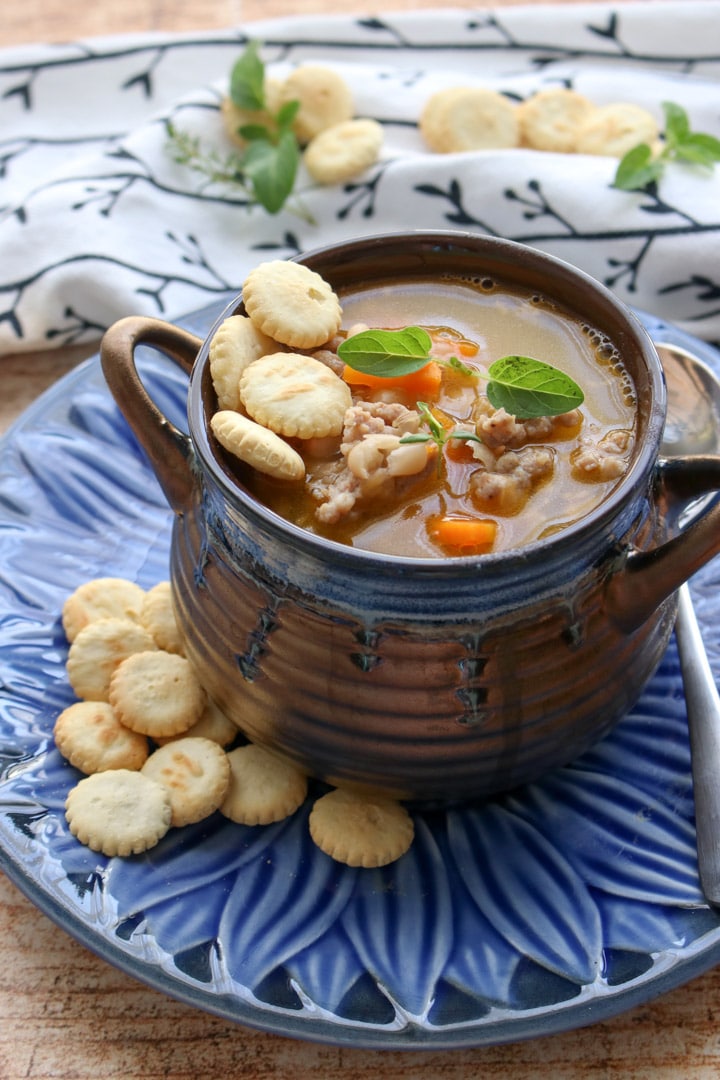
pixel 424 465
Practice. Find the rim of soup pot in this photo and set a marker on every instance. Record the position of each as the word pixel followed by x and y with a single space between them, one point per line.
pixel 406 254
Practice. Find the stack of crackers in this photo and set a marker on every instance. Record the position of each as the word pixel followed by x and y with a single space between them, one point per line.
pixel 266 392
pixel 159 754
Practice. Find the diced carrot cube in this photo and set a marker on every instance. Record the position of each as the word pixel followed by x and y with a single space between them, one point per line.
pixel 464 534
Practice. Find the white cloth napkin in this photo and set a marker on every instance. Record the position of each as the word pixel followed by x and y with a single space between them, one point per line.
pixel 97 221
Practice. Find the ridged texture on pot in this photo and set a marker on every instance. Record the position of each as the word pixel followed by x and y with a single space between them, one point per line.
pixel 444 710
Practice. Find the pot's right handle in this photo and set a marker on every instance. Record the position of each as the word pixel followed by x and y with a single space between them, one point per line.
pixel 647 578
pixel 169 449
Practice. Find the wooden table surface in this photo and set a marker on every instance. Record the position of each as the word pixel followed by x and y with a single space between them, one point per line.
pixel 65 1014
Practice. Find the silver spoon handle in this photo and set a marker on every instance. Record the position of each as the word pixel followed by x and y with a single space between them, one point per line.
pixel 703 708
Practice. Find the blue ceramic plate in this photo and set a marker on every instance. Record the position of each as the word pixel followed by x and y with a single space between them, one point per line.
pixel 560 904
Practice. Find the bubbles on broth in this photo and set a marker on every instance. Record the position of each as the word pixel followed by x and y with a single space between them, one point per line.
pixel 608 356
pixel 601 344
pixel 475 281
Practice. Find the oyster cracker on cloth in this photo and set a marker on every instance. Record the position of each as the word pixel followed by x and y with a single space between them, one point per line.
pixel 99 220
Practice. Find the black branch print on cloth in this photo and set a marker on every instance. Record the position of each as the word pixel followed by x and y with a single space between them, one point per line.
pixel 77 329
pixel 143 80
pixel 458 215
pixel 626 270
pixel 22 90
pixel 705 290
pixel 97 220
pixel 363 196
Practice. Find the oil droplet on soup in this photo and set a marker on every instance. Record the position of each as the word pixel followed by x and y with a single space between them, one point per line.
pixel 478 322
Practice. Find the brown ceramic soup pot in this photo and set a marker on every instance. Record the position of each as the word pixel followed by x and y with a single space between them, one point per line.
pixel 433 679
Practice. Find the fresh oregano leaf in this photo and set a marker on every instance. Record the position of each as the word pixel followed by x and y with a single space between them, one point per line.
pixel 641 166
pixel 528 388
pixel 287 113
pixel 700 150
pixel 251 132
pixel 387 353
pixel 637 169
pixel 271 168
pixel 247 79
pixel 677 123
pixel 685 144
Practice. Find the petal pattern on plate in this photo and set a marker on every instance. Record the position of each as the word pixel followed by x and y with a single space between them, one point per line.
pixel 400 921
pixel 528 891
pixel 482 961
pixel 44 780
pixel 20 734
pixel 650 928
pixel 618 838
pixel 197 855
pixel 280 903
pixel 327 971
pixel 649 748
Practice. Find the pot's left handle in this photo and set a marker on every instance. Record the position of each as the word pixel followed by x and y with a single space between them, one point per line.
pixel 169 449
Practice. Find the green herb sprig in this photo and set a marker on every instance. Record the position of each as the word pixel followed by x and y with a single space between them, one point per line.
pixel 267 167
pixel 529 388
pixel 436 433
pixel 524 386
pixel 272 156
pixel 388 354
pixel 642 166
pixel 186 149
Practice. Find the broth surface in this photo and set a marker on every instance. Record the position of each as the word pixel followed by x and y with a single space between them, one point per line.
pixel 479 322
